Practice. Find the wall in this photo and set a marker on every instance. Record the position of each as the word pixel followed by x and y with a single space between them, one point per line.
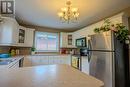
pixel 89 29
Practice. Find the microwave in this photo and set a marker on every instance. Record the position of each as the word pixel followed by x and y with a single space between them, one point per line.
pixel 81 42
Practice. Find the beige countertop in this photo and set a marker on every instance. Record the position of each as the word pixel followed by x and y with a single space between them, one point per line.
pixel 51 55
pixel 47 76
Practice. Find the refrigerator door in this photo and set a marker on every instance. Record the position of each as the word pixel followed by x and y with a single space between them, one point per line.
pixel 102 41
pixel 101 67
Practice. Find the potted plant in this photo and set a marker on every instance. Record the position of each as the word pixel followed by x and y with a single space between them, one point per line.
pixel 120 31
pixel 33 50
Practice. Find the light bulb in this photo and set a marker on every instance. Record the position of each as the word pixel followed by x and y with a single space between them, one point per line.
pixel 64 9
pixel 77 15
pixel 74 9
pixel 60 14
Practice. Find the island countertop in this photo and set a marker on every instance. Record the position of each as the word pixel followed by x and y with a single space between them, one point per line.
pixel 47 76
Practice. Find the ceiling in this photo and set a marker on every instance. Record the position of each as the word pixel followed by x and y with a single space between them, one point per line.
pixel 43 13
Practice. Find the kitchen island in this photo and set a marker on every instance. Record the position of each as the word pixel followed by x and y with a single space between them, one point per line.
pixel 47 76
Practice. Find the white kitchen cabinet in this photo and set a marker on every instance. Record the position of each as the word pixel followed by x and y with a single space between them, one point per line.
pixel 61 60
pixel 85 65
pixel 70 39
pixel 21 43
pixel 47 60
pixel 50 60
pixel 27 61
pixel 64 40
pixel 9 31
pixel 10 34
pixel 44 60
pixel 67 59
pixel 35 60
pixel 29 37
pixel 56 60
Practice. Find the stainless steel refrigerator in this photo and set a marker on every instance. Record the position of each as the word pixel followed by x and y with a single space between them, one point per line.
pixel 103 52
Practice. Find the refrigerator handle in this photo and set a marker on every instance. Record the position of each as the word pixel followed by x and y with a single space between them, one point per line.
pixel 89 45
pixel 89 50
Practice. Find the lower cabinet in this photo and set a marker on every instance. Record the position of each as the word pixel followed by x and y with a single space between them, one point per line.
pixel 85 65
pixel 27 61
pixel 35 61
pixel 43 60
pixel 46 60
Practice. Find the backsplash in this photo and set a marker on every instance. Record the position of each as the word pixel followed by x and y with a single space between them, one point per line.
pixel 25 51
pixel 22 50
pixel 4 49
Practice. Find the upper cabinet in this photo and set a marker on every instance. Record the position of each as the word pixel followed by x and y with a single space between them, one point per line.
pixel 66 40
pixel 11 34
pixel 29 37
pixel 21 36
pixel 63 39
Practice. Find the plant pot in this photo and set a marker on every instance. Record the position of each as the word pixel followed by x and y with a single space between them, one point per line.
pixel 33 52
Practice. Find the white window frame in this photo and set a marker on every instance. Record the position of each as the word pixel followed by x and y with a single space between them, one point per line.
pixel 57 46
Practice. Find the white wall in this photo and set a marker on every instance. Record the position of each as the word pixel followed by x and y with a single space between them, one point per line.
pixel 89 29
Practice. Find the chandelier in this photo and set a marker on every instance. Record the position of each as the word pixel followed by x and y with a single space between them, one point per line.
pixel 68 14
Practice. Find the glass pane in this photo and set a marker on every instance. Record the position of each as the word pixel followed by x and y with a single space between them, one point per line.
pixel 52 42
pixel 46 41
pixel 41 43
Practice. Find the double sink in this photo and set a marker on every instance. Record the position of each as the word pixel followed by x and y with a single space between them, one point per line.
pixel 7 61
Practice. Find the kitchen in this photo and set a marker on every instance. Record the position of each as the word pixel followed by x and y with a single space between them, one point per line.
pixel 65 58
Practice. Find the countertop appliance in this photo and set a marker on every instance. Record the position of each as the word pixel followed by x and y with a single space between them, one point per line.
pixel 108 60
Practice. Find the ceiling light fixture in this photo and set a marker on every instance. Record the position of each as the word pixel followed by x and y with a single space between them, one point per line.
pixel 68 14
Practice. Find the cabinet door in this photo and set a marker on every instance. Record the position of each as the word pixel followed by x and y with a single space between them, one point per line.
pixel 85 65
pixel 63 39
pixel 59 60
pixel 67 59
pixel 29 37
pixel 27 61
pixel 69 40
pixel 66 40
pixel 62 59
pixel 36 60
pixel 50 60
pixel 44 60
pixel 55 60
pixel 21 36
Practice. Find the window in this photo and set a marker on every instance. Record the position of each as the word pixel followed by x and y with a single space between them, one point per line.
pixel 46 42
